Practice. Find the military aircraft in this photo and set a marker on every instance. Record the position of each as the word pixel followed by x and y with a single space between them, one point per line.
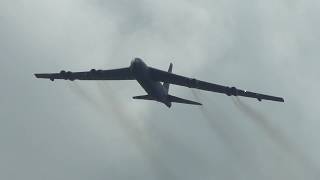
pixel 150 79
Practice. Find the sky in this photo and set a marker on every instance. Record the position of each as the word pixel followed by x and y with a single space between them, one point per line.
pixel 95 130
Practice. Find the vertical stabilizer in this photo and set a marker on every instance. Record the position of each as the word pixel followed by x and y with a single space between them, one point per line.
pixel 166 85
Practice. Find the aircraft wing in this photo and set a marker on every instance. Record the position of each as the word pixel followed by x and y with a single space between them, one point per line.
pixel 113 74
pixel 163 76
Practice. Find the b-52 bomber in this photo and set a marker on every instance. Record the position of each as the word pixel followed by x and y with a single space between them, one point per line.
pixel 156 82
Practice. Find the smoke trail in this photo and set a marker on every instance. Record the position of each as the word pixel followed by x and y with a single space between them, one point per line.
pixel 275 135
pixel 131 131
pixel 214 125
pixel 140 138
pixel 262 121
pixel 221 131
pixel 78 90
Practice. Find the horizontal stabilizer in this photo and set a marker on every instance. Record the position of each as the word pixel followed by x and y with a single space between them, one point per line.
pixel 144 97
pixel 183 101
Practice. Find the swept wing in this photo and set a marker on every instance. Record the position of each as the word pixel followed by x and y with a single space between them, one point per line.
pixel 113 74
pixel 163 76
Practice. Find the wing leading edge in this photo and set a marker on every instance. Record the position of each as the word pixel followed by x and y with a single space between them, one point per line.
pixel 159 75
pixel 113 74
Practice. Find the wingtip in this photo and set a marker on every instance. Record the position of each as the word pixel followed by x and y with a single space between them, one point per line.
pixel 280 99
pixel 199 104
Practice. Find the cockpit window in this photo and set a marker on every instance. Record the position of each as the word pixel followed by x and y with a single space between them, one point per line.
pixel 137 60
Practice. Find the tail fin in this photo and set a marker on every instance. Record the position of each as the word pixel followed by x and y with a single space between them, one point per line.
pixel 183 101
pixel 166 85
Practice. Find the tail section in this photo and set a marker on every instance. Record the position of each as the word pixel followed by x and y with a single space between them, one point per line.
pixel 183 101
pixel 170 99
pixel 166 85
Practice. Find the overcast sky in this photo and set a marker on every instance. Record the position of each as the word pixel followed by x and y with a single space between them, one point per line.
pixel 95 130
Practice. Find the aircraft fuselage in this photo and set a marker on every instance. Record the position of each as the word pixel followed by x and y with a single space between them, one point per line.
pixel 154 89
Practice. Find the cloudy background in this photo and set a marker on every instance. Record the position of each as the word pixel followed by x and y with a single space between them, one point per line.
pixel 94 130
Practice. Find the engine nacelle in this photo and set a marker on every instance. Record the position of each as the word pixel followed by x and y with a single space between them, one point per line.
pixel 233 91
pixel 69 76
pixel 63 72
pixel 194 83
pixel 65 75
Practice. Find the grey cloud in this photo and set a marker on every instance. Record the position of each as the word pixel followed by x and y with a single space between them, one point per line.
pixel 75 131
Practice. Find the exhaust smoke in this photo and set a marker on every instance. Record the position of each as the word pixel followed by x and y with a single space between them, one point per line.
pixel 275 135
pixel 222 131
pixel 138 137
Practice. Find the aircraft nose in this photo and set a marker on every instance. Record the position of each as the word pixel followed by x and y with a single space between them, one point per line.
pixel 138 65
pixel 137 60
pixel 134 64
pixel 134 61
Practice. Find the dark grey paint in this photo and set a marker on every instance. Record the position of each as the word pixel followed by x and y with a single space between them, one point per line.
pixel 149 78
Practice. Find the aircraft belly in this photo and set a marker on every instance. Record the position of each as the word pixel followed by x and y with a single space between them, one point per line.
pixel 154 89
